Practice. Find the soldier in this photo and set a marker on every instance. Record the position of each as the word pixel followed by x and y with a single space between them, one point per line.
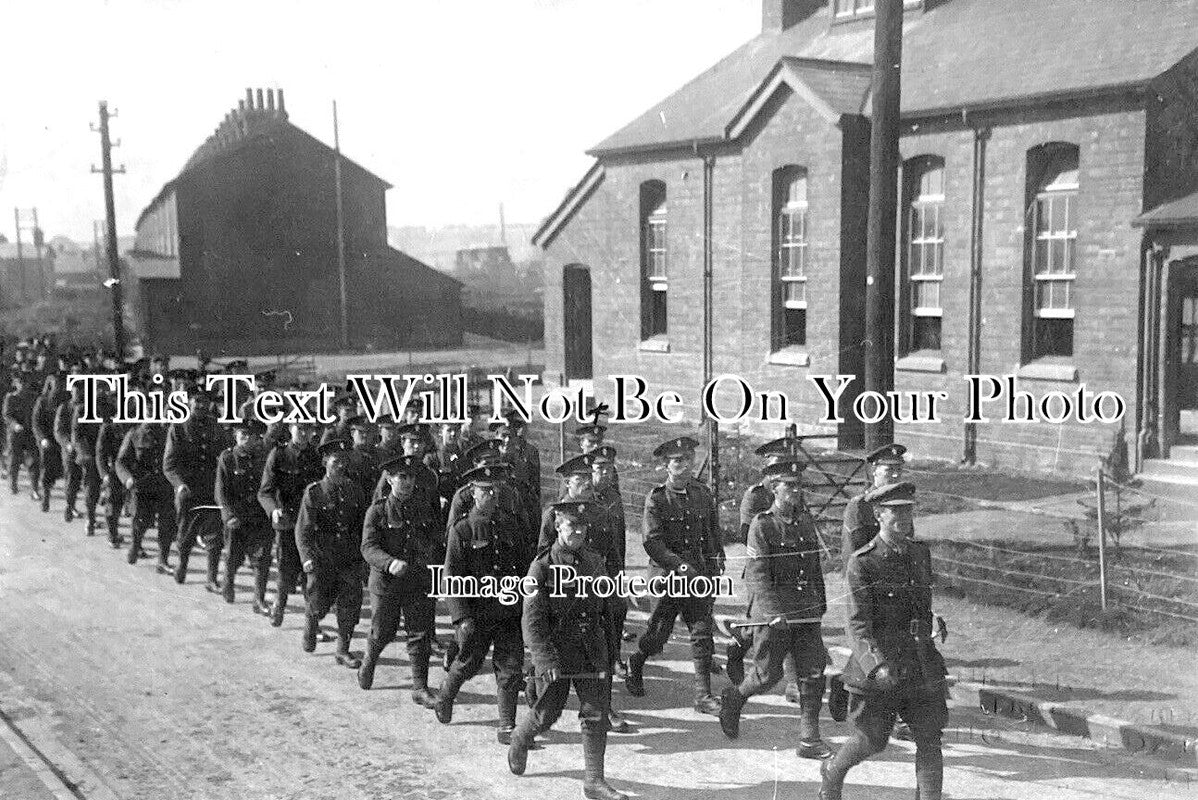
pixel 139 467
pixel 49 453
pixel 362 462
pixel 786 583
pixel 485 543
pixel 400 539
pixel 346 406
pixel 109 439
pixel 472 429
pixel 413 414
pixel 681 536
pixel 72 471
pixel 568 637
pixel 328 535
pixel 860 527
pixel 189 463
pixel 247 528
pixel 486 452
pixel 389 445
pixel 607 493
pixel 18 412
pixel 450 464
pixel 894 669
pixel 524 458
pixel 758 498
pixel 83 444
pixel 288 472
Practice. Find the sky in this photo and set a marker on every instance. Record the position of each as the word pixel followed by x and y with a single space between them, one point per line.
pixel 460 105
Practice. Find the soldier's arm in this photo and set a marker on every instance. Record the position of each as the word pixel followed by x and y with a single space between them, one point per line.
pixel 460 608
pixel 759 566
pixel 860 616
pixel 654 531
pixel 748 510
pixel 9 410
pixel 715 542
pixel 268 489
pixel 172 457
pixel 620 530
pixel 305 525
pixel 62 425
pixel 537 623
pixel 548 529
pixel 38 418
pixel 223 495
pixel 372 538
pixel 125 458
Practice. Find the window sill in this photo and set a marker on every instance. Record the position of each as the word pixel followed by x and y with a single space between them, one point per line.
pixel 1048 371
pixel 790 357
pixel 920 363
pixel 658 344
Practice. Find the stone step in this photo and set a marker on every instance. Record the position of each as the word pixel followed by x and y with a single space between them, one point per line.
pixel 1184 454
pixel 1170 471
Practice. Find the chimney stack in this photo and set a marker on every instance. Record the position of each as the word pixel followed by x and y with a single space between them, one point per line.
pixel 270 100
pixel 249 99
pixel 780 15
pixel 260 105
pixel 282 108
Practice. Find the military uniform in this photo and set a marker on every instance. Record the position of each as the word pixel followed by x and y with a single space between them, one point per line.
pixel 83 442
pixel 139 466
pixel 109 439
pixel 189 459
pixel 894 669
pixel 289 470
pixel 248 531
pixel 407 531
pixel 18 413
pixel 49 453
pixel 72 470
pixel 860 526
pixel 681 532
pixel 328 535
pixel 480 545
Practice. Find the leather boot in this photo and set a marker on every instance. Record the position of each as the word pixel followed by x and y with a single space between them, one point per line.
pixel 181 568
pixel 45 497
pixel 451 652
pixel 228 590
pixel 69 513
pixel 838 699
pixel 705 701
pixel 135 546
pixel 421 696
pixel 929 771
pixel 261 576
pixel 311 628
pixel 443 706
pixel 811 700
pixel 343 655
pixel 635 682
pixel 833 770
pixel 213 584
pixel 736 662
pixel 517 751
pixel 114 531
pixel 507 716
pixel 366 670
pixel 731 703
pixel 278 609
pixel 594 786
pixel 91 523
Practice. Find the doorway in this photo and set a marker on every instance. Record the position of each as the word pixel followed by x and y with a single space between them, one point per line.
pixel 1185 350
pixel 576 293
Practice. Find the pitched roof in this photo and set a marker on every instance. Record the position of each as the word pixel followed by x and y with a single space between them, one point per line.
pixel 958 53
pixel 1181 213
pixel 832 88
pixel 565 209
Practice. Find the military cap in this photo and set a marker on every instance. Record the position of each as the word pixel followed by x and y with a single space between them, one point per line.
pixel 416 404
pixel 785 469
pixel 250 425
pixel 887 454
pixel 474 409
pixel 604 454
pixel 575 465
pixel 411 430
pixel 683 445
pixel 590 429
pixel 389 421
pixel 334 445
pixel 485 474
pixel 510 420
pixel 183 374
pixel 268 377
pixel 572 508
pixel 358 423
pixel 892 494
pixel 344 398
pixel 405 465
pixel 487 448
pixel 787 445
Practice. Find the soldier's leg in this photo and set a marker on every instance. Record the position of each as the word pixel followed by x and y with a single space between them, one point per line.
pixel 212 533
pixel 112 510
pixel 385 613
pixel 91 494
pixel 35 464
pixel 143 514
pixel 322 593
pixel 186 538
pixel 927 715
pixel 551 699
pixel 51 461
pixel 873 718
pixel 289 571
pixel 507 660
pixel 420 620
pixel 349 611
pixel 168 527
pixel 472 651
pixel 16 454
pixel 807 654
pixel 73 479
pixel 263 558
pixel 662 614
pixel 696 613
pixel 236 542
pixel 770 645
pixel 592 714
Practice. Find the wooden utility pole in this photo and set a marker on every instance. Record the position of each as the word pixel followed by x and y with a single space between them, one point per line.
pixel 340 233
pixel 16 214
pixel 114 264
pixel 883 202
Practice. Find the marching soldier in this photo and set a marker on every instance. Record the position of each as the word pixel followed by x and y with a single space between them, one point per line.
pixel 568 637
pixel 681 536
pixel 860 526
pixel 400 539
pixel 83 443
pixel 473 428
pixel 72 470
pixel 328 535
pixel 18 413
pixel 247 528
pixel 894 669
pixel 289 470
pixel 189 463
pixel 49 453
pixel 139 467
pixel 109 440
pixel 589 436
pixel 450 464
pixel 786 583
pixel 486 453
pixel 362 461
pixel 413 414
pixel 607 494
pixel 346 406
pixel 389 445
pixel 524 458
pixel 486 542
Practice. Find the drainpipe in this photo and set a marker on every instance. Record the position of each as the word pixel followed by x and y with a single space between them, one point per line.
pixel 713 454
pixel 980 135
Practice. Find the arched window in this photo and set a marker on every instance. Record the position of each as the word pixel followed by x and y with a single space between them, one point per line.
pixel 924 252
pixel 790 257
pixel 654 259
pixel 1052 191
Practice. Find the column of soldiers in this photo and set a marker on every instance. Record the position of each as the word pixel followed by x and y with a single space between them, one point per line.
pixel 347 517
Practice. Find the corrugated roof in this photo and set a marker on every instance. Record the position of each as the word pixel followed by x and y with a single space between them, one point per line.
pixel 1174 214
pixel 960 53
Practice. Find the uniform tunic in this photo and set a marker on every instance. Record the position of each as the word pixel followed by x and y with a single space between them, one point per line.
pixel 328 533
pixel 247 529
pixel 289 470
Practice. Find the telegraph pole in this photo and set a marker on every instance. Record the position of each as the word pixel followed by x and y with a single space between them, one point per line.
pixel 340 233
pixel 114 265
pixel 883 209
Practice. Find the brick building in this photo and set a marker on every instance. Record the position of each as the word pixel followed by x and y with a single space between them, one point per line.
pixel 1035 134
pixel 238 252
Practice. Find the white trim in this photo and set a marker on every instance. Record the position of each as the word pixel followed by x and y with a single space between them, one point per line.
pixel 1054 313
pixel 1041 371
pixel 792 356
pixel 914 362
pixel 654 344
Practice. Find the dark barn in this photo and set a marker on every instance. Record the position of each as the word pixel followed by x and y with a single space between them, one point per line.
pixel 238 253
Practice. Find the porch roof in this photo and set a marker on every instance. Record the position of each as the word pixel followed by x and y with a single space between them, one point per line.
pixel 1181 213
